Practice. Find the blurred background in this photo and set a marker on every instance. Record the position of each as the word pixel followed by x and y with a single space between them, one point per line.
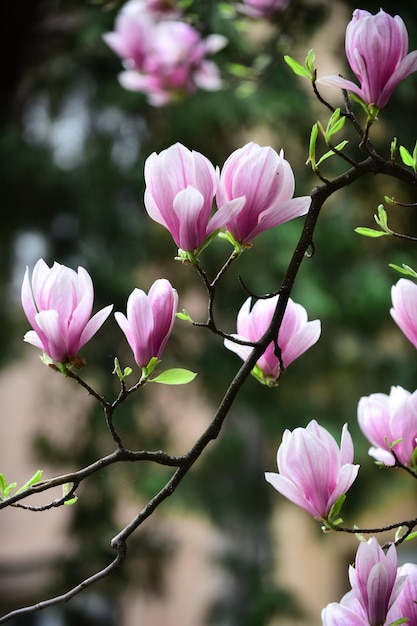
pixel 227 550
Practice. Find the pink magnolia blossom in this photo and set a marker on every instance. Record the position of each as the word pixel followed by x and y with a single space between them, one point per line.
pixel 313 471
pixel 58 303
pixel 376 48
pixel 405 605
pixel 180 187
pixel 382 593
pixel 149 320
pixel 163 57
pixel 262 8
pixel 295 336
pixel 374 580
pixel 347 612
pixel 385 419
pixel 261 182
pixel 404 308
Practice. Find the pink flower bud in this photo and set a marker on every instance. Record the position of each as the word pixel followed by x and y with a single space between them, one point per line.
pixel 376 48
pixel 180 187
pixel 313 471
pixel 295 336
pixel 58 303
pixel 404 308
pixel 149 320
pixel 374 580
pixel 261 182
pixel 384 419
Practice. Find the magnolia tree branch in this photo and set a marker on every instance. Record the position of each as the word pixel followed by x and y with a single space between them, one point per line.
pixel 371 165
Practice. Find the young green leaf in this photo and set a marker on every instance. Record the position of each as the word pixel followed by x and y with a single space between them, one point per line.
pixel 382 219
pixel 310 58
pixel 175 376
pixel 330 153
pixel 184 315
pixel 312 147
pixel 66 488
pixel 37 476
pixel 370 232
pixel 405 269
pixel 296 67
pixel 406 157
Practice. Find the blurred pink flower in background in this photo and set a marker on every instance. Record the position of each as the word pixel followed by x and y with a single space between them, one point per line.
pixel 149 320
pixel 313 471
pixel 163 57
pixel 295 336
pixel 404 308
pixel 377 51
pixel 384 419
pixel 262 181
pixel 262 8
pixel 58 303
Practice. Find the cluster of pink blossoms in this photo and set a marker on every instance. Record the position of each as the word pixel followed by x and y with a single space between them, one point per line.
pixel 164 56
pixel 58 303
pixel 377 51
pixel 253 191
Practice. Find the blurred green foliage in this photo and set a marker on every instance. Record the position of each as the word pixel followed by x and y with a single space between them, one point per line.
pixel 73 144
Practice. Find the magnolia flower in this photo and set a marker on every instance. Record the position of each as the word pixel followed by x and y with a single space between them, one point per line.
pixel 58 303
pixel 386 419
pixel 404 308
pixel 374 580
pixel 347 612
pixel 164 57
pixel 261 182
pixel 295 336
pixel 262 8
pixel 149 320
pixel 376 48
pixel 405 605
pixel 313 472
pixel 180 187
pixel 381 594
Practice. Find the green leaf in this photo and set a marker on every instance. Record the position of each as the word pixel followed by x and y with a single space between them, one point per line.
pixel 393 149
pixel 330 153
pixel 411 536
pixel 382 219
pixel 370 232
pixel 66 488
pixel 296 67
pixel 405 269
pixel 334 124
pixel 37 476
pixel 402 620
pixel 406 157
pixel 336 508
pixel 175 376
pixel 312 146
pixel 310 58
pixel 184 315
